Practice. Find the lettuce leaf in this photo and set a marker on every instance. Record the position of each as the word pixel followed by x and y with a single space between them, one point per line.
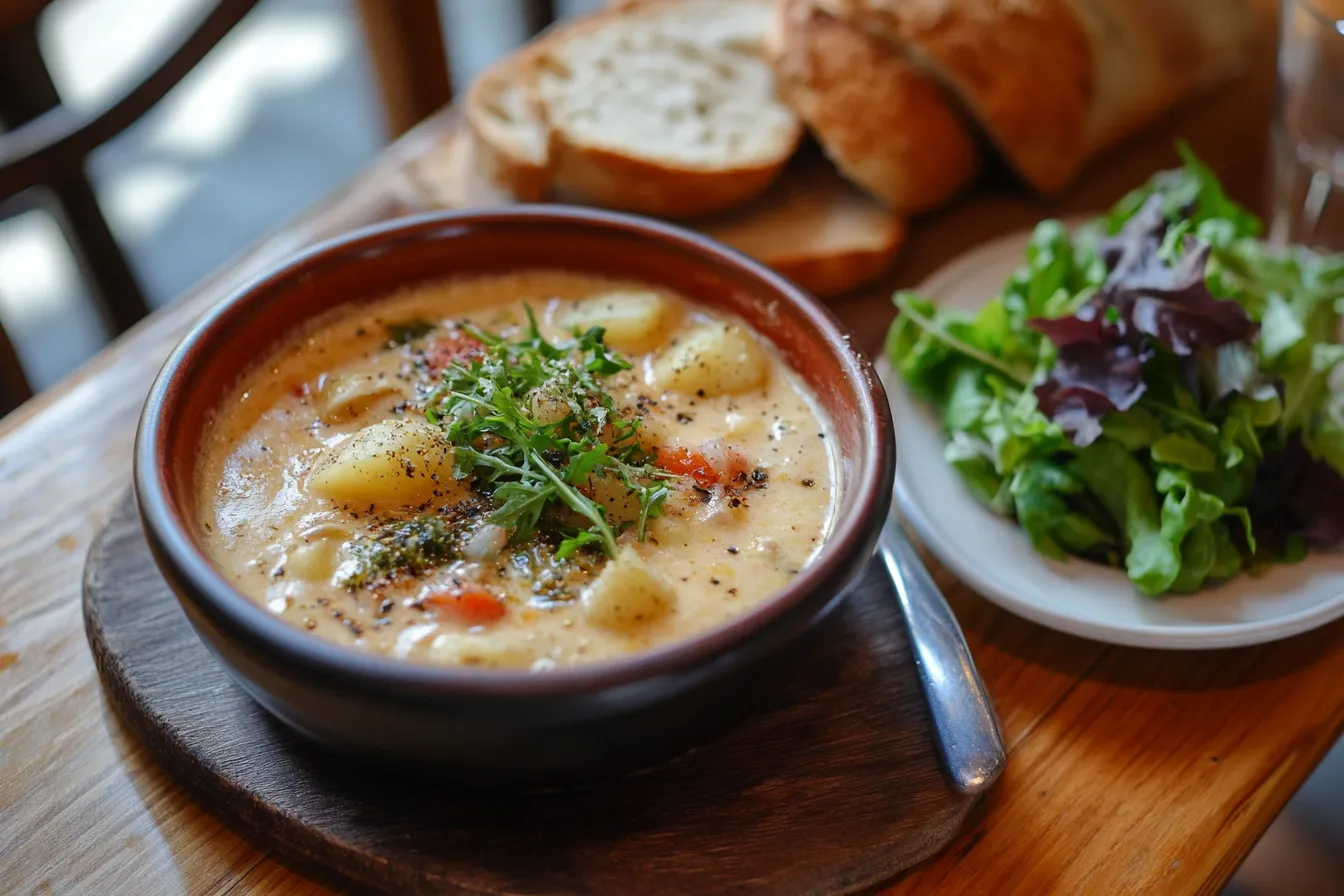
pixel 1158 390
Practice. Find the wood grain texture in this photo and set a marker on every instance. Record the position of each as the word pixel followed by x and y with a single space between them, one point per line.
pixel 832 787
pixel 1111 785
pixel 410 59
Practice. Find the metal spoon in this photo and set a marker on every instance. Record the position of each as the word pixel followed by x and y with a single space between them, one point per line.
pixel 963 720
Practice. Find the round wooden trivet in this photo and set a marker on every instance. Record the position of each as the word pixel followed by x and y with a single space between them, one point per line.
pixel 833 787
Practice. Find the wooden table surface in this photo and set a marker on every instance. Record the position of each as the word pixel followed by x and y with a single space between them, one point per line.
pixel 1129 771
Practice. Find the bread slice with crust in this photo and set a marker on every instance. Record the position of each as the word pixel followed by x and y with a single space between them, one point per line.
pixel 513 141
pixel 505 120
pixel 815 228
pixel 888 127
pixel 811 225
pixel 664 108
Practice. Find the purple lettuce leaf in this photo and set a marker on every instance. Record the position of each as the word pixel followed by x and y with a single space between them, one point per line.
pixel 1170 303
pixel 1144 301
pixel 1088 325
pixel 1297 494
pixel 1088 381
pixel 1177 309
pixel 1132 252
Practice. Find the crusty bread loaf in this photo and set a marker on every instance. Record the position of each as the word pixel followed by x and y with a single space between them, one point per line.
pixel 887 126
pixel 814 228
pixel 1053 82
pixel 513 142
pixel 1149 56
pixel 663 108
pixel 1021 68
pixel 810 225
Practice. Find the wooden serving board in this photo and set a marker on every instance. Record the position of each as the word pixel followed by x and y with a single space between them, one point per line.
pixel 834 787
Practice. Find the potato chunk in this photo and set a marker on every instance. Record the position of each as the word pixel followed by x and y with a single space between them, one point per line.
pixel 620 501
pixel 317 553
pixel 626 594
pixel 350 395
pixel 490 651
pixel 718 359
pixel 402 462
pixel 313 561
pixel 634 321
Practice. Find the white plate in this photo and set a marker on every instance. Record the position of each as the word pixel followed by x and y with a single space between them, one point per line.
pixel 994 556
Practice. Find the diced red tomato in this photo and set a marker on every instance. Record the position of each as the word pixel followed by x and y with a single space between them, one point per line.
pixel 686 462
pixel 449 348
pixel 473 605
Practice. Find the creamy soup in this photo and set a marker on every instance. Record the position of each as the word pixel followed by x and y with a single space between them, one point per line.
pixel 526 471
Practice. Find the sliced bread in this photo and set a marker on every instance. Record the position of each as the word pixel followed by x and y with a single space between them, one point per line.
pixel 887 127
pixel 664 108
pixel 512 139
pixel 814 228
pixel 810 225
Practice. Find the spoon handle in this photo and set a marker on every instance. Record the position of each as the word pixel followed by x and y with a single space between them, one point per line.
pixel 963 720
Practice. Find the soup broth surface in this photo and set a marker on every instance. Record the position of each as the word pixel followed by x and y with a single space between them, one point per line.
pixel 329 497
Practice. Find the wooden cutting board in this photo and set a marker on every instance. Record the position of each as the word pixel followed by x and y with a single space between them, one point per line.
pixel 834 787
pixel 811 225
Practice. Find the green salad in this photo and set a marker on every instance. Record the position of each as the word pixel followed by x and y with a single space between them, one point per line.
pixel 1152 391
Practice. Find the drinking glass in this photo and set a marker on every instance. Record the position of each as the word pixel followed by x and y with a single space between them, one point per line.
pixel 1307 150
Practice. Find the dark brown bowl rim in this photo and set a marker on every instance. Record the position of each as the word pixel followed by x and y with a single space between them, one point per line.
pixel 241 616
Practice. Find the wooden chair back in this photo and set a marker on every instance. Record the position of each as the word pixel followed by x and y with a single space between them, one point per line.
pixel 45 147
pixel 406 45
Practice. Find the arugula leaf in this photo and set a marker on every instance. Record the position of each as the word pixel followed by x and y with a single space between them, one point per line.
pixel 582 463
pixel 596 358
pixel 922 334
pixel 521 506
pixel 500 408
pixel 576 541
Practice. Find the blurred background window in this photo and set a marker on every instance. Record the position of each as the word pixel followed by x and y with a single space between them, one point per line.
pixel 282 112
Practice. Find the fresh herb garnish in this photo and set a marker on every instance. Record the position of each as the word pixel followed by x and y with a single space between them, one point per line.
pixel 531 422
pixel 407 331
pixel 1152 391
pixel 574 542
pixel 405 546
